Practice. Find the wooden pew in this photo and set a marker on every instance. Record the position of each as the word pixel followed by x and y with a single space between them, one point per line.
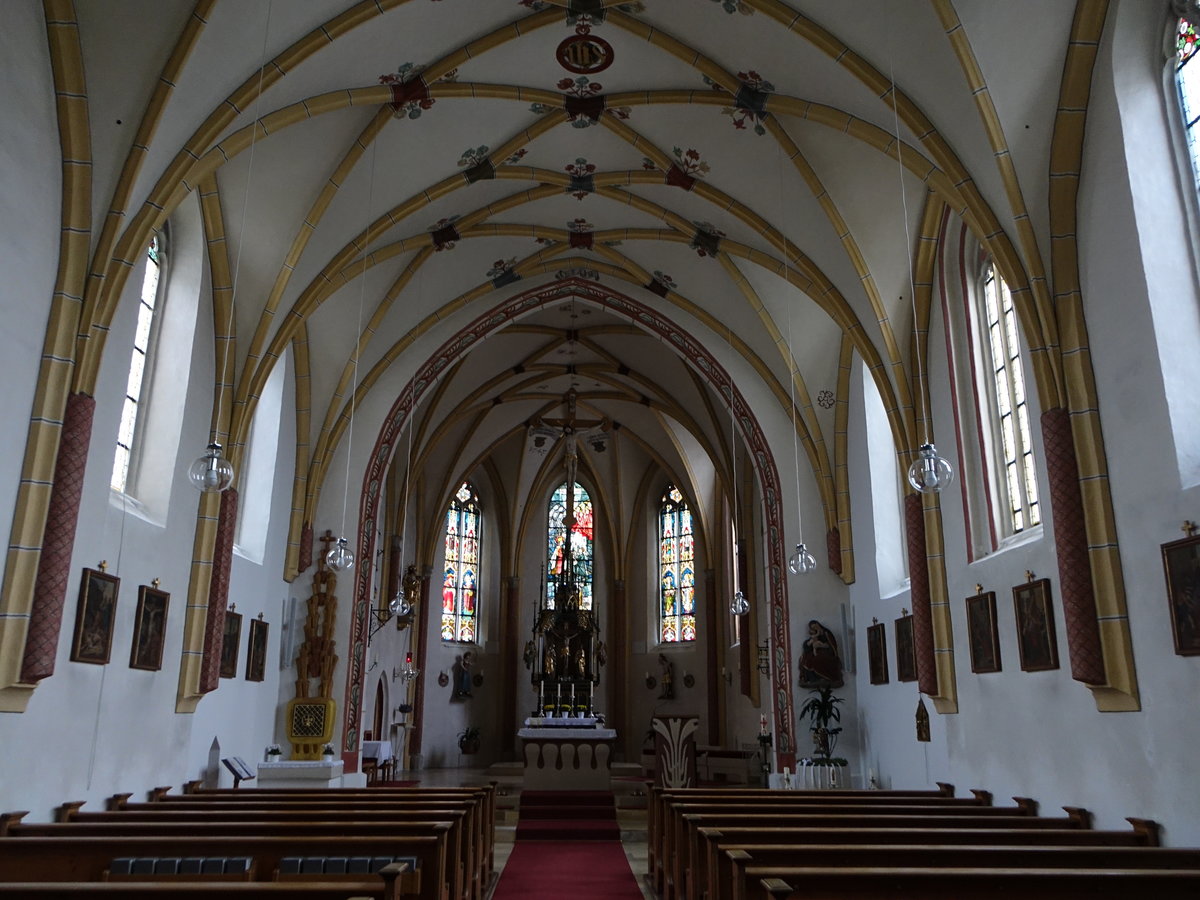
pixel 660 800
pixel 680 839
pixel 184 890
pixel 470 841
pixel 483 824
pixel 658 797
pixel 463 852
pixel 733 879
pixel 826 883
pixel 714 841
pixel 80 859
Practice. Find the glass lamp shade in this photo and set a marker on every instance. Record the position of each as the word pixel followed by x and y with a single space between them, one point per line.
pixel 399 605
pixel 930 474
pixel 740 605
pixel 212 472
pixel 341 557
pixel 801 562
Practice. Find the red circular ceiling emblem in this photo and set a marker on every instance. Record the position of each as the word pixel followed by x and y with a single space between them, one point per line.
pixel 584 54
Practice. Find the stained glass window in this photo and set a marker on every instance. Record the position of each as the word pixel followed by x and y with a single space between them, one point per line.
pixel 460 578
pixel 676 569
pixel 1014 446
pixel 581 544
pixel 1187 77
pixel 135 384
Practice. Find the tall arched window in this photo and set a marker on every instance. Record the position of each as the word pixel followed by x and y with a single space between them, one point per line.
pixel 676 569
pixel 143 340
pixel 460 607
pixel 1004 378
pixel 581 544
pixel 1187 79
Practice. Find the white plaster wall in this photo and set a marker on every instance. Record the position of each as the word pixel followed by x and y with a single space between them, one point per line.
pixel 1038 733
pixel 31 194
pixel 91 731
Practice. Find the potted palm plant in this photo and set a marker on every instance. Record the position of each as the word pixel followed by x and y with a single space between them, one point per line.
pixel 821 710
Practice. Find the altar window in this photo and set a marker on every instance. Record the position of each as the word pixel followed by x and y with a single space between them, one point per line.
pixel 460 610
pixel 676 569
pixel 581 544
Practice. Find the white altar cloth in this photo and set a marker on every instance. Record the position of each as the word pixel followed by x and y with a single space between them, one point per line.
pixel 380 750
pixel 577 759
pixel 585 734
pixel 301 773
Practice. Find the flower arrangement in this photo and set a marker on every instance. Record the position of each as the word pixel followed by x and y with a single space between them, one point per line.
pixel 273 753
pixel 327 750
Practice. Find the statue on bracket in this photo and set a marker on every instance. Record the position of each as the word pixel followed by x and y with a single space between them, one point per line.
pixel 462 677
pixel 820 664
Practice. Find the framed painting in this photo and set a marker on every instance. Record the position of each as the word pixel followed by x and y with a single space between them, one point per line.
pixel 983 637
pixel 1036 642
pixel 877 653
pixel 94 617
pixel 149 629
pixel 1181 562
pixel 256 650
pixel 906 650
pixel 229 647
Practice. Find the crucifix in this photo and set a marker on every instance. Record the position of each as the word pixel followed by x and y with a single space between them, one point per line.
pixel 570 427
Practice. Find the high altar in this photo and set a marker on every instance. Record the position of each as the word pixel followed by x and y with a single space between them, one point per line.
pixel 565 745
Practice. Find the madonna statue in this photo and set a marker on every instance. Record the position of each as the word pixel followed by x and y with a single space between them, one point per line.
pixel 820 665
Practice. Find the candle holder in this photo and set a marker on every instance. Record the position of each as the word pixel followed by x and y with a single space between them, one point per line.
pixel 764 748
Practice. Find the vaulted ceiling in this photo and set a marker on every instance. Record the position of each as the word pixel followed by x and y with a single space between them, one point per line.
pixel 732 164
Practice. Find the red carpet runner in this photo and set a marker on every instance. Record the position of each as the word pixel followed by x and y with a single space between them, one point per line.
pixel 568 845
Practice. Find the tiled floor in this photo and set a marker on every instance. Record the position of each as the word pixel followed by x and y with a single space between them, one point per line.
pixel 632 821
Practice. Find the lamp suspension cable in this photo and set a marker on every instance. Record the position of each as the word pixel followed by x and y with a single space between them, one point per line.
pixel 739 605
pixel 929 473
pixel 212 472
pixel 801 562
pixel 340 558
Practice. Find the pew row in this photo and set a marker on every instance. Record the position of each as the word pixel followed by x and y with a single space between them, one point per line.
pixel 192 890
pixel 658 798
pixel 685 869
pixel 741 868
pixel 978 884
pixel 91 859
pixel 471 839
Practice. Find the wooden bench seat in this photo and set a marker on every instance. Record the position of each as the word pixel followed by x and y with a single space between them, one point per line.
pixel 470 840
pixel 480 799
pixel 826 883
pixel 89 858
pixel 662 799
pixel 679 842
pixel 731 879
pixel 713 841
pixel 184 890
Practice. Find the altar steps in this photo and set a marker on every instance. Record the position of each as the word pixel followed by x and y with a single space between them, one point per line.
pixel 567 816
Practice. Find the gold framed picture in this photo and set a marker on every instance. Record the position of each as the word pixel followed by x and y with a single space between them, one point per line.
pixel 256 650
pixel 149 629
pixel 1036 642
pixel 1181 563
pixel 229 646
pixel 906 650
pixel 877 653
pixel 95 617
pixel 982 635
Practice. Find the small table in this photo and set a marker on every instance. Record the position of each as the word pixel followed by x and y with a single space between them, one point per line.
pixel 381 753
